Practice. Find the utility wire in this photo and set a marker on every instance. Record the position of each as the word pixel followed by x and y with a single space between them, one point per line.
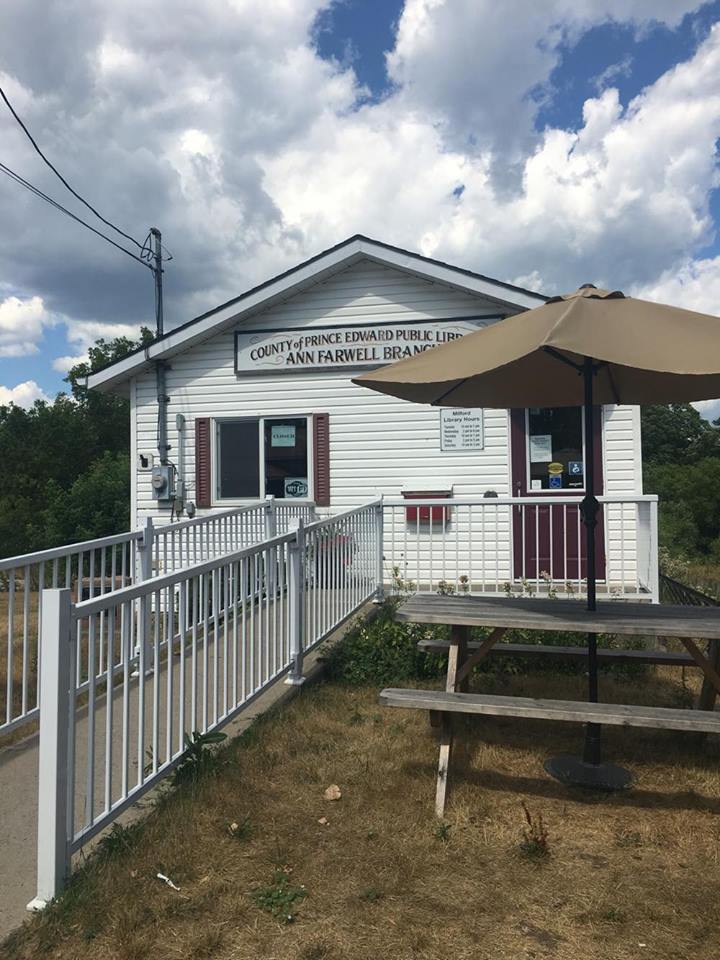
pixel 58 206
pixel 62 178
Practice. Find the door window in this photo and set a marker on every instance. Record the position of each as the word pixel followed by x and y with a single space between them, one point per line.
pixel 555 448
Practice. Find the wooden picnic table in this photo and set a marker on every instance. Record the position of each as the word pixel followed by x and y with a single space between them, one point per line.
pixel 688 624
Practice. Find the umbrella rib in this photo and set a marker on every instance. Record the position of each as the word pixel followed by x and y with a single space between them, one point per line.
pixel 456 384
pixel 559 356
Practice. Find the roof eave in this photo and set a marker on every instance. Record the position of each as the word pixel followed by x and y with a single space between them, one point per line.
pixel 294 281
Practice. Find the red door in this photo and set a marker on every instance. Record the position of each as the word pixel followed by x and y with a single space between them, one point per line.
pixel 548 459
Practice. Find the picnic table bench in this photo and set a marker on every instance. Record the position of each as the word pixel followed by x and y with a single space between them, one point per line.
pixel 688 624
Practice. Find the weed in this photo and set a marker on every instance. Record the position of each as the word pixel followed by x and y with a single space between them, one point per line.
pixel 198 760
pixel 442 832
pixel 371 895
pixel 613 915
pixel 118 840
pixel 241 830
pixel 534 844
pixel 356 718
pixel 280 897
pixel 629 838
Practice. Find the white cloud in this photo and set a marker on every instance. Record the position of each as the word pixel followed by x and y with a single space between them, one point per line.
pixel 693 284
pixel 617 202
pixel 22 323
pixel 220 123
pixel 82 334
pixel 480 69
pixel 610 74
pixel 23 395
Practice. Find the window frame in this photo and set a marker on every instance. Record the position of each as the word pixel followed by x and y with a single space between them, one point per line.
pixel 260 421
pixel 550 491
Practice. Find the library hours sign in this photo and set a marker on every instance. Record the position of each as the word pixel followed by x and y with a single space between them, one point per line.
pixel 461 430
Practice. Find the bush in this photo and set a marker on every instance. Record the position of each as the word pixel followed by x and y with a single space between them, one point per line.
pixel 381 652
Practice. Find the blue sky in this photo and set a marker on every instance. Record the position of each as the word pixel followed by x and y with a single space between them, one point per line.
pixel 253 156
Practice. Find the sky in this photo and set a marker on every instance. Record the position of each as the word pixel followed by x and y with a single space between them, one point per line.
pixel 546 145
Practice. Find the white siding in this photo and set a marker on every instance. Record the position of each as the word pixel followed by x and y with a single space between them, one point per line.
pixel 622 475
pixel 378 445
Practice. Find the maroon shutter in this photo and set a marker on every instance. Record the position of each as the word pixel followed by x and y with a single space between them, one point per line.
pixel 203 494
pixel 321 458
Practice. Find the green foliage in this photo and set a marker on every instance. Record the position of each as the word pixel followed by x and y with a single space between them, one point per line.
pixel 242 830
pixel 690 507
pixel 280 897
pixel 442 832
pixel 65 463
pixel 371 895
pixel 681 457
pixel 675 433
pixel 199 759
pixel 382 652
pixel 119 840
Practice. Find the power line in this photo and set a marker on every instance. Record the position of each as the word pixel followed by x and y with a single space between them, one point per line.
pixel 62 178
pixel 58 206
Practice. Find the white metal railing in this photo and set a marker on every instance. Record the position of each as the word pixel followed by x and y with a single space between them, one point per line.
pixel 493 546
pixel 209 638
pixel 94 568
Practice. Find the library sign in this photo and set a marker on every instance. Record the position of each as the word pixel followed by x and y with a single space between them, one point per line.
pixel 331 348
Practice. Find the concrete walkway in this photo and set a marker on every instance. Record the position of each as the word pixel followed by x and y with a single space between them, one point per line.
pixel 19 781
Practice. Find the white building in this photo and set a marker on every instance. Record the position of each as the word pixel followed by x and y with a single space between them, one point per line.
pixel 261 403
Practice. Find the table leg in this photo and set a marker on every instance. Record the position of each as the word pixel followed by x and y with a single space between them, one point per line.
pixel 712 676
pixel 708 694
pixel 457 655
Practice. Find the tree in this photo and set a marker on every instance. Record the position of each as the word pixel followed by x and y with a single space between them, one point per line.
pixel 677 433
pixel 66 463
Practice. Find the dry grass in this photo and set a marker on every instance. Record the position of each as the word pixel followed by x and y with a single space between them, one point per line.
pixel 626 876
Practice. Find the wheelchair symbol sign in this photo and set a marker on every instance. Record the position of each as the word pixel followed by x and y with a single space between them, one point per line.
pixel 575 468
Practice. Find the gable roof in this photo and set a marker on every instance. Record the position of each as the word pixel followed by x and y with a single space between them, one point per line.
pixel 294 281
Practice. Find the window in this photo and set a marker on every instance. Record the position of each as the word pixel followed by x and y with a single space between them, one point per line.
pixel 555 441
pixel 256 458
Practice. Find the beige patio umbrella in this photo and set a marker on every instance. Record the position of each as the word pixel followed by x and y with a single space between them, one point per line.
pixel 647 353
pixel 591 346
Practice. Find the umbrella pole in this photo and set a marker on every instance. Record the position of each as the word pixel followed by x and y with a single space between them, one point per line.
pixel 590 507
pixel 590 771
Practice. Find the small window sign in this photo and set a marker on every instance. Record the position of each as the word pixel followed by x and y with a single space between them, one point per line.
pixel 282 435
pixel 461 430
pixel 296 487
pixel 541 448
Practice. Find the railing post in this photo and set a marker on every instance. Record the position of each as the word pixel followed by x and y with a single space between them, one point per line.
pixel 144 573
pixel 270 532
pixel 380 556
pixel 654 564
pixel 55 781
pixel 296 599
pixel 270 517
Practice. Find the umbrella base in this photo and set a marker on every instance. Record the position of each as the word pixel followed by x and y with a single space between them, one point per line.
pixel 576 772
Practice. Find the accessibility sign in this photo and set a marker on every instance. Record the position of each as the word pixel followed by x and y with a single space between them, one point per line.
pixel 575 468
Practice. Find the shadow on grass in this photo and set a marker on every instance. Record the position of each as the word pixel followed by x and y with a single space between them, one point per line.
pixel 549 789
